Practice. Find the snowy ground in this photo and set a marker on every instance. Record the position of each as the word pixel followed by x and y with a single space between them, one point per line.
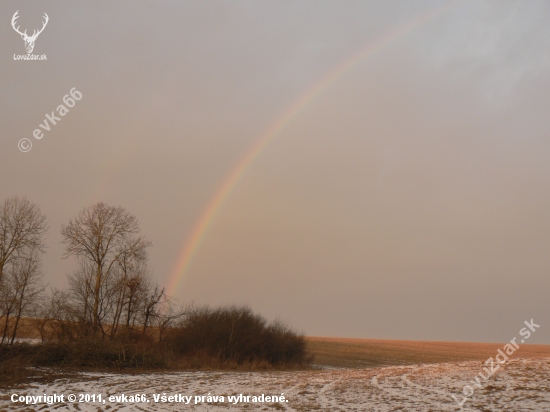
pixel 520 385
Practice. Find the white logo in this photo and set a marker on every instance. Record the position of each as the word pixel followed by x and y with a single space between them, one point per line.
pixel 29 40
pixel 24 145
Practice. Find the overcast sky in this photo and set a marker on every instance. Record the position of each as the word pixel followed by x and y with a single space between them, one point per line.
pixel 409 200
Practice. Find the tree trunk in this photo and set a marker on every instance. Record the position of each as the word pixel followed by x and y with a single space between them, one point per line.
pixel 96 300
pixel 6 324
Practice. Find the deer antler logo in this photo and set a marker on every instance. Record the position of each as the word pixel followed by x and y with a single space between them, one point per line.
pixel 29 40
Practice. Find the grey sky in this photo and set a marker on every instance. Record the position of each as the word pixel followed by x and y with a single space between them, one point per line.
pixel 408 201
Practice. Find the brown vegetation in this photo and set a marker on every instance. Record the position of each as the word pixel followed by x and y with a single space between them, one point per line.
pixel 203 338
pixel 364 353
pixel 236 335
pixel 113 315
pixel 22 228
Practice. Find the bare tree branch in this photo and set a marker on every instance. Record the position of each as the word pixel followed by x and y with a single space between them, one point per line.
pixel 103 235
pixel 22 229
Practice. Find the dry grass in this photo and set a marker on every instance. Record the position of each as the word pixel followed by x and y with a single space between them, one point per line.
pixel 27 328
pixel 363 353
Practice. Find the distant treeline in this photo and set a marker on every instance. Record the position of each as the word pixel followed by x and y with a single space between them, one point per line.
pixel 113 314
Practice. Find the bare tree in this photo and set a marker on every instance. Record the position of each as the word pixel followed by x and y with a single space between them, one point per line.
pixel 42 318
pixel 27 287
pixel 64 322
pixel 21 290
pixel 103 235
pixel 22 229
pixel 154 301
pixel 167 317
pixel 132 287
pixel 7 305
pixel 81 291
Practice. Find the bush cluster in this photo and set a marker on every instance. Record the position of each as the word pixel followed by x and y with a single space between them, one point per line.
pixel 203 338
pixel 236 334
pixel 114 315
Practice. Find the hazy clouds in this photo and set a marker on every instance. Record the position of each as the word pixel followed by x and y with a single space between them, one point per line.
pixel 409 200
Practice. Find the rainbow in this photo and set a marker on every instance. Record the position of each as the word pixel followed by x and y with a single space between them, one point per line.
pixel 201 227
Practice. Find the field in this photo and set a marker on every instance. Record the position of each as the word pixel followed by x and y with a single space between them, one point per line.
pixel 350 375
pixel 364 353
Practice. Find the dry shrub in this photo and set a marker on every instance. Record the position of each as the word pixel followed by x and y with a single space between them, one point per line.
pixel 235 335
pixel 209 339
pixel 13 364
pixel 109 354
pixel 84 354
